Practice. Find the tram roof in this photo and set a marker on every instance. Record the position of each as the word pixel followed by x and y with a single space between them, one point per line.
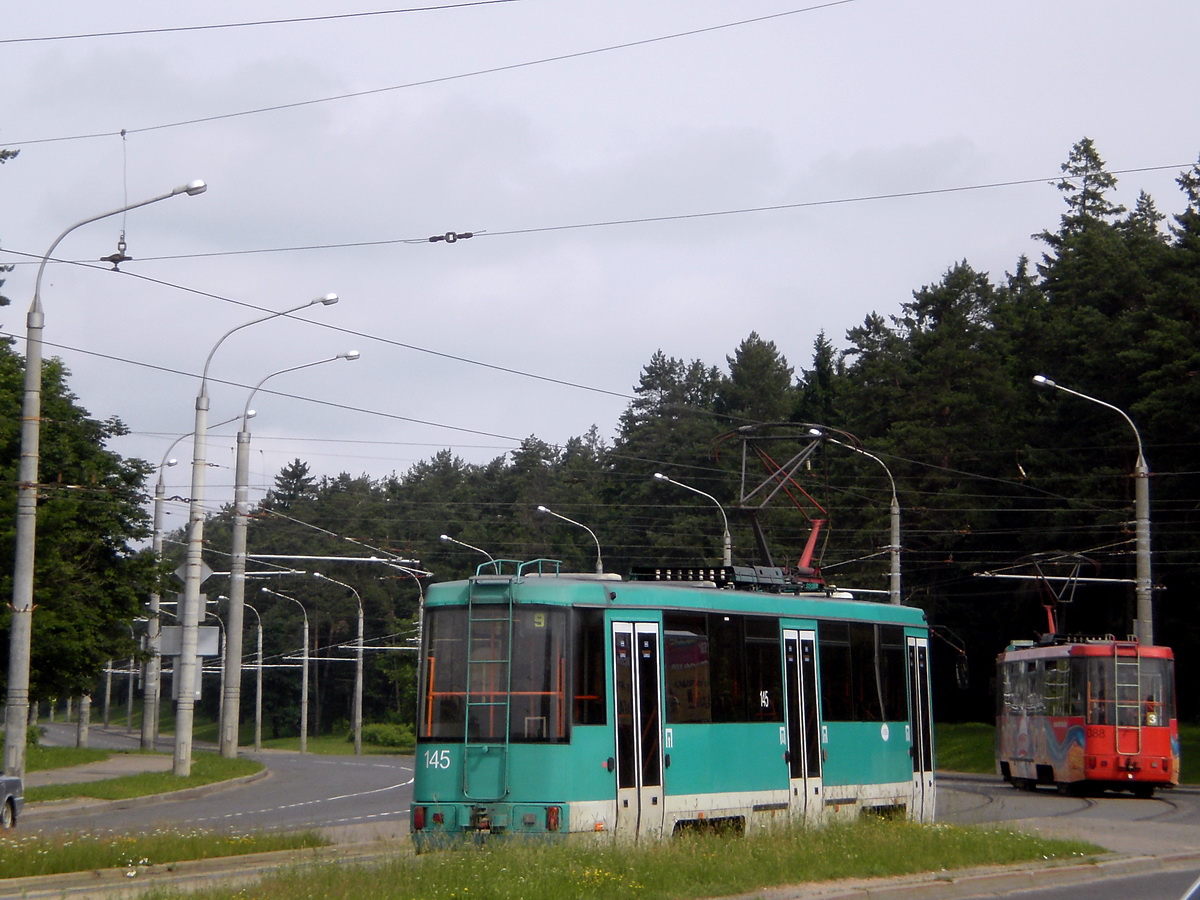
pixel 1081 645
pixel 612 592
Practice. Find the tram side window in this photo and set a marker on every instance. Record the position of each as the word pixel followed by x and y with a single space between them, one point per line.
pixel 1006 696
pixel 764 675
pixel 686 657
pixel 727 658
pixel 893 672
pixel 1057 681
pixel 722 668
pixel 1099 689
pixel 444 675
pixel 588 655
pixel 863 674
pixel 837 673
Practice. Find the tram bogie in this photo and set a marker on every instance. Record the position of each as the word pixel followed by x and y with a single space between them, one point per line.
pixel 556 706
pixel 1087 714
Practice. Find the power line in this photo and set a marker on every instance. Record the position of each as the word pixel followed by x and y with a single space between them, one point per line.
pixel 296 20
pixel 330 403
pixel 350 332
pixel 609 223
pixel 439 80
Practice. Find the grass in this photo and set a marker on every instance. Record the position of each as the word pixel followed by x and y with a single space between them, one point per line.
pixel 39 758
pixel 330 745
pixel 965 747
pixel 970 747
pixel 684 867
pixel 28 855
pixel 207 768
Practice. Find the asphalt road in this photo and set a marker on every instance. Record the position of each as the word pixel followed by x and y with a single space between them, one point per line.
pixel 348 798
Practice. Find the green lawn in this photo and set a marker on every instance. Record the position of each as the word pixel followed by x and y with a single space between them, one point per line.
pixel 22 855
pixel 207 768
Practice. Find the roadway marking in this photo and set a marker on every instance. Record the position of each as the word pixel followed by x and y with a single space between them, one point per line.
pixel 303 803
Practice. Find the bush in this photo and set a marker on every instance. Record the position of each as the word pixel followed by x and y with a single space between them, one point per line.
pixel 384 734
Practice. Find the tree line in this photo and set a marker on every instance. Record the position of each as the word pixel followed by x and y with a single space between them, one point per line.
pixel 991 473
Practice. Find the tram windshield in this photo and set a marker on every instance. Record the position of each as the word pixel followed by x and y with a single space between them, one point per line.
pixel 1134 693
pixel 477 676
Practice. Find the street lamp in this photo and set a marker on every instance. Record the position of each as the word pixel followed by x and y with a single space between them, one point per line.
pixel 231 707
pixel 446 537
pixel 894 549
pixel 1143 586
pixel 599 562
pixel 153 668
pixel 416 575
pixel 727 543
pixel 303 671
pixel 185 705
pixel 16 717
pixel 356 714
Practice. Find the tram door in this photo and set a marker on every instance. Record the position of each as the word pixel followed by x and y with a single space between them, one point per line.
pixel 637 677
pixel 803 723
pixel 920 726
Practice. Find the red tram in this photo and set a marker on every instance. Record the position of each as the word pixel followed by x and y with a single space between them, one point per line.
pixel 1087 714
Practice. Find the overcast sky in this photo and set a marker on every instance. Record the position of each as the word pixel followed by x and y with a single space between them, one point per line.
pixel 671 175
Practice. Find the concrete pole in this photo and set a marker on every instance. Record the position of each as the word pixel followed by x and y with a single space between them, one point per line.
pixel 20 635
pixel 304 687
pixel 189 621
pixel 107 689
pixel 129 695
pixel 152 673
pixel 189 612
pixel 303 670
pixel 83 723
pixel 1144 585
pixel 232 692
pixel 231 696
pixel 894 554
pixel 356 713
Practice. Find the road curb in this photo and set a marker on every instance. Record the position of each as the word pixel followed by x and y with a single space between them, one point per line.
pixel 49 810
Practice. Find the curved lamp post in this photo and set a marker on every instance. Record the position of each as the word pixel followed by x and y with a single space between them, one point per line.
pixel 356 714
pixel 447 538
pixel 21 630
pixel 416 576
pixel 232 700
pixel 727 542
pixel 189 621
pixel 152 674
pixel 599 561
pixel 894 549
pixel 303 671
pixel 1143 586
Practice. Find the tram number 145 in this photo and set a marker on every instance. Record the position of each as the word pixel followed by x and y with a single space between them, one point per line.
pixel 437 759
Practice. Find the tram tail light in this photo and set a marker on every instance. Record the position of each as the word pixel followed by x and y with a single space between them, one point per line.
pixel 418 813
pixel 553 817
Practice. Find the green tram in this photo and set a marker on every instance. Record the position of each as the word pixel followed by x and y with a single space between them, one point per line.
pixel 556 704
